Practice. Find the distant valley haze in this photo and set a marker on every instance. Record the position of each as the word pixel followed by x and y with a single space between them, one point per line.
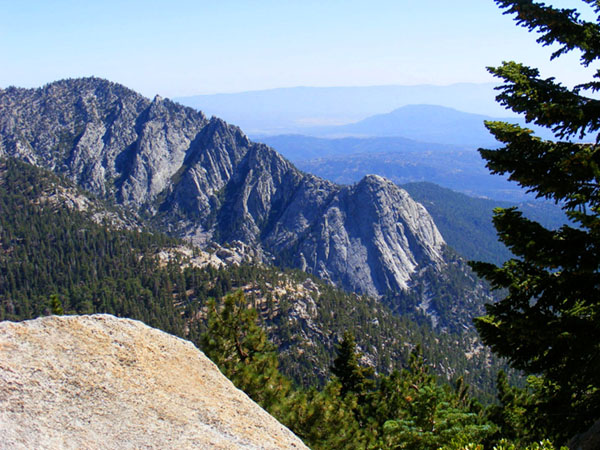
pixel 300 109
pixel 386 130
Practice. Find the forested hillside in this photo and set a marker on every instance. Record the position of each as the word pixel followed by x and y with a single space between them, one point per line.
pixel 466 222
pixel 358 374
pixel 204 180
pixel 55 253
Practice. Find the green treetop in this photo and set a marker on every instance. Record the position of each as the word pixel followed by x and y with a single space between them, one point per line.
pixel 239 346
pixel 353 377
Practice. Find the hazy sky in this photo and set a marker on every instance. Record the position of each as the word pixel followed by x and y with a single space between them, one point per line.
pixel 181 48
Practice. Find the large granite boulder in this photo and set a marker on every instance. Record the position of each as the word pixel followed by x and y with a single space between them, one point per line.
pixel 100 382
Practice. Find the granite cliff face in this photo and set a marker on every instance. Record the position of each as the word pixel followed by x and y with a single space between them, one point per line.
pixel 106 137
pixel 83 382
pixel 204 180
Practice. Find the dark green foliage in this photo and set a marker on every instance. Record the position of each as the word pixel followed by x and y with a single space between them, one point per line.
pixel 450 297
pixel 235 342
pixel 56 305
pixel 46 247
pixel 325 420
pixel 466 222
pixel 408 409
pixel 513 413
pixel 429 416
pixel 353 377
pixel 548 322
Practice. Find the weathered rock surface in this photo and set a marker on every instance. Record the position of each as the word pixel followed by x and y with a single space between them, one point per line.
pixel 106 137
pixel 589 440
pixel 204 180
pixel 99 382
pixel 371 237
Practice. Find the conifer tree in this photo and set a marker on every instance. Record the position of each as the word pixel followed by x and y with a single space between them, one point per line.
pixel 326 420
pixel 239 346
pixel 353 377
pixel 56 306
pixel 423 415
pixel 510 413
pixel 549 321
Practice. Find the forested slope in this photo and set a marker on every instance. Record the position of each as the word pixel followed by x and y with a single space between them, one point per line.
pixel 94 259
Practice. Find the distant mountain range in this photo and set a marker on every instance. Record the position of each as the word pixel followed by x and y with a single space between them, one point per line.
pixel 292 110
pixel 426 123
pixel 347 160
pixel 413 143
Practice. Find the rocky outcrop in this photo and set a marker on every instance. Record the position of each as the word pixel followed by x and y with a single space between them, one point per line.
pixel 204 180
pixel 370 237
pixel 106 137
pixel 83 382
pixel 589 440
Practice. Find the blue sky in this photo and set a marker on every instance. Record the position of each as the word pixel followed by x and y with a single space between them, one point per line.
pixel 182 48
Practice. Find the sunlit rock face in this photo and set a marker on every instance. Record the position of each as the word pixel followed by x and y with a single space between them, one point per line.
pixel 205 180
pixel 100 382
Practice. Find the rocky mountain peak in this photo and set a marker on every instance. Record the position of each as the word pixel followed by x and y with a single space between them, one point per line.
pixel 373 179
pixel 206 181
pixel 373 235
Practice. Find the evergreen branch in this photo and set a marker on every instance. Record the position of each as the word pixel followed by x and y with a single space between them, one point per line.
pixel 546 102
pixel 562 26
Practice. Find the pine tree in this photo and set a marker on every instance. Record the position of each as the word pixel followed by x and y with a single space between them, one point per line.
pixel 236 343
pixel 549 321
pixel 239 346
pixel 510 412
pixel 326 420
pixel 353 377
pixel 424 415
pixel 56 305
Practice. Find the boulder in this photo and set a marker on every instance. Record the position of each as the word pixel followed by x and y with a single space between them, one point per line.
pixel 101 382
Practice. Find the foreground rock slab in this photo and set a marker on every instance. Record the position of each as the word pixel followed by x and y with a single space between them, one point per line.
pixel 100 382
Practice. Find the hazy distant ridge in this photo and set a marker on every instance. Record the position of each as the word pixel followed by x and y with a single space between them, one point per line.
pixel 425 123
pixel 290 110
